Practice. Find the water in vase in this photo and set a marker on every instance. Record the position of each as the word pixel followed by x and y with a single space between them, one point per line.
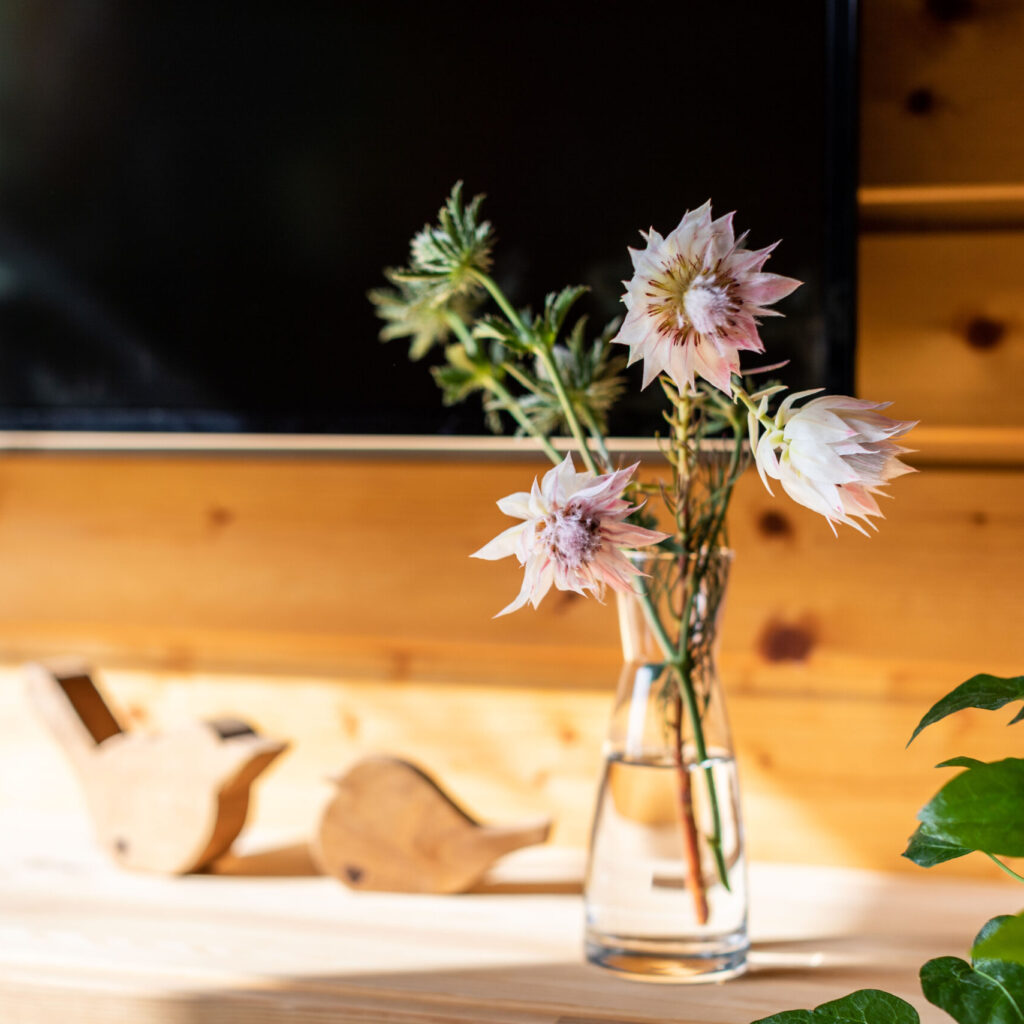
pixel 646 914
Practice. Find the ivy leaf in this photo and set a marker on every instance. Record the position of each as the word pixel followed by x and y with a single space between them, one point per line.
pixel 865 1006
pixel 1001 939
pixel 979 809
pixel 989 992
pixel 927 850
pixel 959 762
pixel 981 691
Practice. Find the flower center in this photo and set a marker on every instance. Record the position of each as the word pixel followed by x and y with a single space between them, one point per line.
pixel 572 536
pixel 707 304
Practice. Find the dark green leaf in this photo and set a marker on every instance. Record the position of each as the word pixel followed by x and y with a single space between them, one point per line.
pixel 990 992
pixel 959 762
pixel 980 691
pixel 979 809
pixel 928 850
pixel 1001 939
pixel 866 1006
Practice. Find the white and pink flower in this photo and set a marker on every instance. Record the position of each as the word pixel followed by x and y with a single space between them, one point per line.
pixel 693 301
pixel 833 455
pixel 571 534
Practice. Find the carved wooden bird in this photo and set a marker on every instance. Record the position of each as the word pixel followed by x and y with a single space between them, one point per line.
pixel 169 802
pixel 390 827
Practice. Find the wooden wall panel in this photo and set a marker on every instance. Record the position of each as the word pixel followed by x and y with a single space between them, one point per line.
pixel 942 326
pixel 941 88
pixel 825 775
pixel 339 595
pixel 361 566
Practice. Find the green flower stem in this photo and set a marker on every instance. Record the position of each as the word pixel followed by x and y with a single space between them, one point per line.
pixel 685 686
pixel 598 436
pixel 506 307
pixel 513 371
pixel 715 839
pixel 551 366
pixel 766 421
pixel 512 408
pixel 1005 867
pixel 546 358
pixel 462 332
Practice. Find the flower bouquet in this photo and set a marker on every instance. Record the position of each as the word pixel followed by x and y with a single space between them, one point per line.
pixel 665 888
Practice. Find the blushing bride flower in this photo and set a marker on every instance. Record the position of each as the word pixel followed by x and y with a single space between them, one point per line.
pixel 832 454
pixel 571 533
pixel 693 301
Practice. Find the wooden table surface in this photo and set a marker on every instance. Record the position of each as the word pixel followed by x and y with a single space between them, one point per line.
pixel 85 943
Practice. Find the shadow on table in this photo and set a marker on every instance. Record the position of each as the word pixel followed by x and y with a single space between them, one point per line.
pixel 562 993
pixel 296 861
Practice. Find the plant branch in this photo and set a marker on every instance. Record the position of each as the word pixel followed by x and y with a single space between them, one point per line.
pixel 551 366
pixel 511 406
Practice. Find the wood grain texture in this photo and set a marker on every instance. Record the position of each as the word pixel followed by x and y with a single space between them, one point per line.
pixel 79 941
pixel 940 95
pixel 359 567
pixel 942 326
pixel 824 773
pixel 317 600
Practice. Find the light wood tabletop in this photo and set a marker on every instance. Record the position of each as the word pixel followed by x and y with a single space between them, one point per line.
pixel 85 942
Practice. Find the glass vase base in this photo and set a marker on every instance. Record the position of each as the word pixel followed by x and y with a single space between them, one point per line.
pixel 658 961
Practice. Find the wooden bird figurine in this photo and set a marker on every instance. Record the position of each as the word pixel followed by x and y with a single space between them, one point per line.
pixel 390 827
pixel 170 802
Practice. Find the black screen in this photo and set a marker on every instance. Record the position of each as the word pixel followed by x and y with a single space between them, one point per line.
pixel 195 198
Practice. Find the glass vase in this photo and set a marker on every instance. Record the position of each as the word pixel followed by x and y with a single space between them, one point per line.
pixel 666 887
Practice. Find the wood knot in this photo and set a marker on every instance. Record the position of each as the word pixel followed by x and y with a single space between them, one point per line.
pixel 774 524
pixel 949 11
pixel 920 101
pixel 787 641
pixel 219 517
pixel 984 333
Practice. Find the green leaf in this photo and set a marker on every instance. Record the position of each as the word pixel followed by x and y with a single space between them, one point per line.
pixel 928 850
pixel 443 257
pixel 461 376
pixel 990 992
pixel 980 691
pixel 959 762
pixel 409 312
pixel 866 1006
pixel 1001 939
pixel 497 328
pixel 978 809
pixel 556 308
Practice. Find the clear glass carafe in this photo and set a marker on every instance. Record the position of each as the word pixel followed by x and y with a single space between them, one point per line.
pixel 666 887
